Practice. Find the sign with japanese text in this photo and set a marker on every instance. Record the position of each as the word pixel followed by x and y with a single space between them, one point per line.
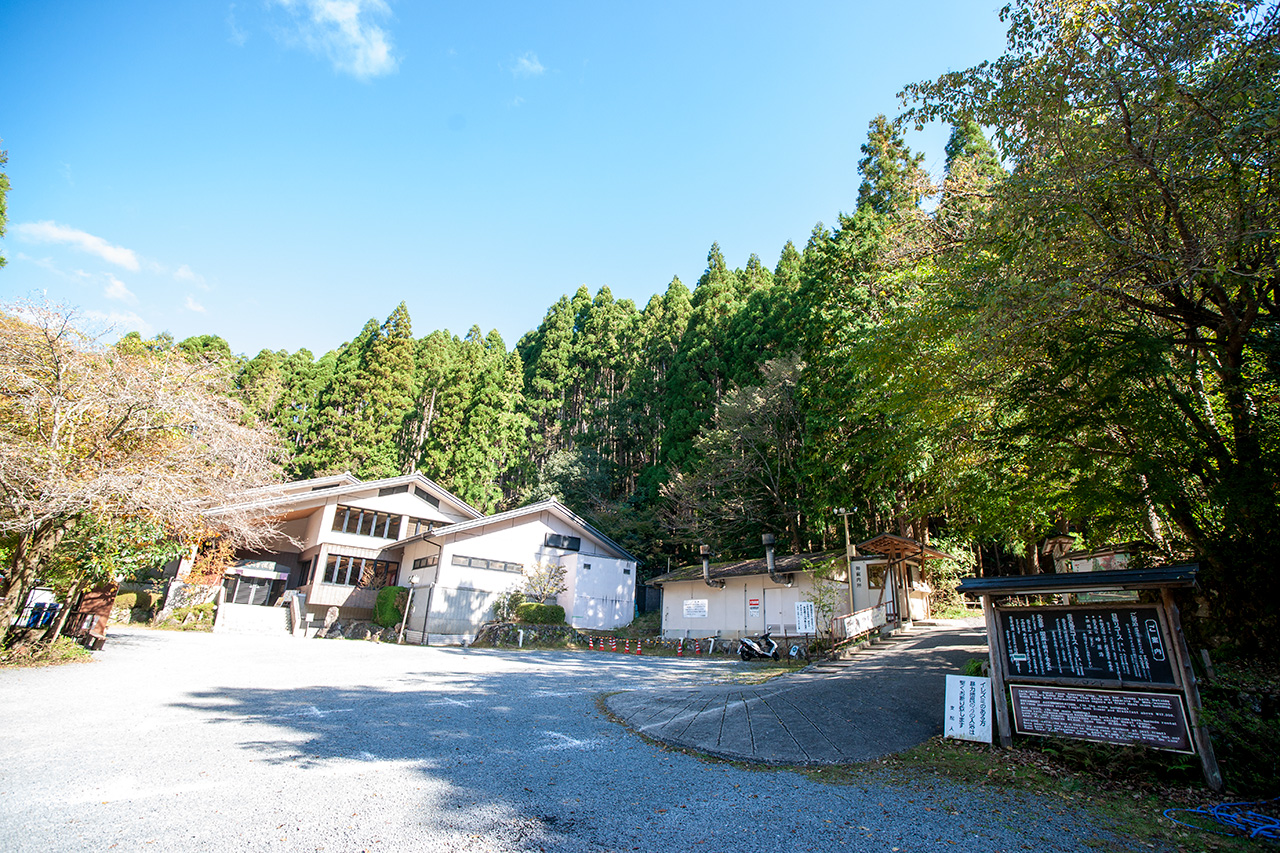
pixel 968 708
pixel 1111 716
pixel 1097 644
pixel 806 618
pixel 695 608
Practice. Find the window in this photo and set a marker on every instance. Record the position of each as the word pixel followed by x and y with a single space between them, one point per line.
pixel 366 522
pixel 586 567
pixel 568 543
pixel 427 562
pixel 480 563
pixel 626 571
pixel 392 490
pixel 414 526
pixel 360 572
pixel 426 496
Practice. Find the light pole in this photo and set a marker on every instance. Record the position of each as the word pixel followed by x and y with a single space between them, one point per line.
pixel 413 584
pixel 848 552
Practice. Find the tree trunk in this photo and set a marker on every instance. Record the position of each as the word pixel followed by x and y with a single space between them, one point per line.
pixel 33 547
pixel 56 628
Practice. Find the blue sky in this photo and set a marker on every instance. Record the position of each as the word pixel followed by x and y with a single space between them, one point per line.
pixel 279 171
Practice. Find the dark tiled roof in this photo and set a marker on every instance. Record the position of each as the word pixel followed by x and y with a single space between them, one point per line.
pixel 1153 578
pixel 743 568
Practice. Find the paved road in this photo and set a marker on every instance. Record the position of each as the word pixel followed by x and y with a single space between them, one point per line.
pixel 886 699
pixel 183 742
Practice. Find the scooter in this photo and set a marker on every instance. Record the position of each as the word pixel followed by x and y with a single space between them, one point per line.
pixel 761 647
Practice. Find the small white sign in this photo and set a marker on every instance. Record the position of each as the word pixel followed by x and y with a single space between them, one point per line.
pixel 753 607
pixel 695 608
pixel 968 708
pixel 806 618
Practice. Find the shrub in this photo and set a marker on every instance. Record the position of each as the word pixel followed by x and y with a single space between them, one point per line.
pixel 144 600
pixel 506 608
pixel 127 600
pixel 540 614
pixel 388 610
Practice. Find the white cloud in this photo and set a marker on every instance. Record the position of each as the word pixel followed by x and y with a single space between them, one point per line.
pixel 48 264
pixel 126 321
pixel 51 232
pixel 116 289
pixel 237 36
pixel 192 305
pixel 528 66
pixel 341 30
pixel 185 273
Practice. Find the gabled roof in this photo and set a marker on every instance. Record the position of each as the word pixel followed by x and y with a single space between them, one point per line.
pixel 284 496
pixel 551 505
pixel 900 547
pixel 756 566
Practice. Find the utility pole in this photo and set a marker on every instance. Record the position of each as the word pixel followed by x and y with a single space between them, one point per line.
pixel 848 552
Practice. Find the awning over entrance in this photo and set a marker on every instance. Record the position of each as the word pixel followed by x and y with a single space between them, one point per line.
pixel 900 547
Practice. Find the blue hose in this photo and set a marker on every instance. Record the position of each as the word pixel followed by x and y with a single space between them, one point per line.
pixel 1236 816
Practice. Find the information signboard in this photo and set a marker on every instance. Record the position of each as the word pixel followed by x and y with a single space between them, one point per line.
pixel 1097 644
pixel 806 618
pixel 695 608
pixel 1111 716
pixel 753 607
pixel 968 708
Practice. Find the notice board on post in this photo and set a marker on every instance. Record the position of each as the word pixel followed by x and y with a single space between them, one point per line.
pixel 1091 644
pixel 1151 719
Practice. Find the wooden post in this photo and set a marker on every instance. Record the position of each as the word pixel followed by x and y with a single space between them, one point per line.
pixel 995 654
pixel 1204 746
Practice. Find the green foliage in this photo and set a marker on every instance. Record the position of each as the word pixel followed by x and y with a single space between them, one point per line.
pixel 59 651
pixel 140 600
pixel 388 609
pixel 544 580
pixel 540 614
pixel 197 617
pixel 506 608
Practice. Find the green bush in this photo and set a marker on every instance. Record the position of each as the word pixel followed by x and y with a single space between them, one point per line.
pixel 388 610
pixel 505 609
pixel 540 614
pixel 127 600
pixel 144 600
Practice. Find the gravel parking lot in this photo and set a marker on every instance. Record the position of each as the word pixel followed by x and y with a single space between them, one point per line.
pixel 171 741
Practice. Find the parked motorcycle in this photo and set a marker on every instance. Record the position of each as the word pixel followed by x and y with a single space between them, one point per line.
pixel 763 646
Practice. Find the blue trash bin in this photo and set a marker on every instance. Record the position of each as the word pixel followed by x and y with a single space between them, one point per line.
pixel 37 614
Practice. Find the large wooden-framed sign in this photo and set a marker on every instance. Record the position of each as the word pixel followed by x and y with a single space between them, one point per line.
pixel 1090 643
pixel 1113 673
pixel 1151 719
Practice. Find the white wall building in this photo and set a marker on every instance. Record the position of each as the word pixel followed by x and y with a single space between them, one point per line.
pixel 744 599
pixel 343 539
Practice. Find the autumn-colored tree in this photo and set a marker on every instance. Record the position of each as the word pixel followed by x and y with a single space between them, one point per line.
pixel 90 430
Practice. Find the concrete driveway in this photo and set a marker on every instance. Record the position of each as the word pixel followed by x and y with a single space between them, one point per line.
pixel 885 699
pixel 183 742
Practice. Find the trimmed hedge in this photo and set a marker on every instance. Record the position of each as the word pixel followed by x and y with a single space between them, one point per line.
pixel 134 600
pixel 388 610
pixel 540 614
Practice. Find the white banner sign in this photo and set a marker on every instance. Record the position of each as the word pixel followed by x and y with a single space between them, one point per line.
pixel 968 708
pixel 695 608
pixel 806 618
pixel 864 621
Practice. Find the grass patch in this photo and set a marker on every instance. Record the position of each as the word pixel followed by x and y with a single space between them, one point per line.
pixel 1122 792
pixel 61 650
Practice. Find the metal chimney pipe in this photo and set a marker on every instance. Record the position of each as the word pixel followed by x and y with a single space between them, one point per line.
pixel 782 580
pixel 705 551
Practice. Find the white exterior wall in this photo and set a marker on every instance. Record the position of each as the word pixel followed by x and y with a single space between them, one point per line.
pixel 600 597
pixel 729 610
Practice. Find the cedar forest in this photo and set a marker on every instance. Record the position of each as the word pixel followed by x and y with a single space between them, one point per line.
pixel 1072 331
